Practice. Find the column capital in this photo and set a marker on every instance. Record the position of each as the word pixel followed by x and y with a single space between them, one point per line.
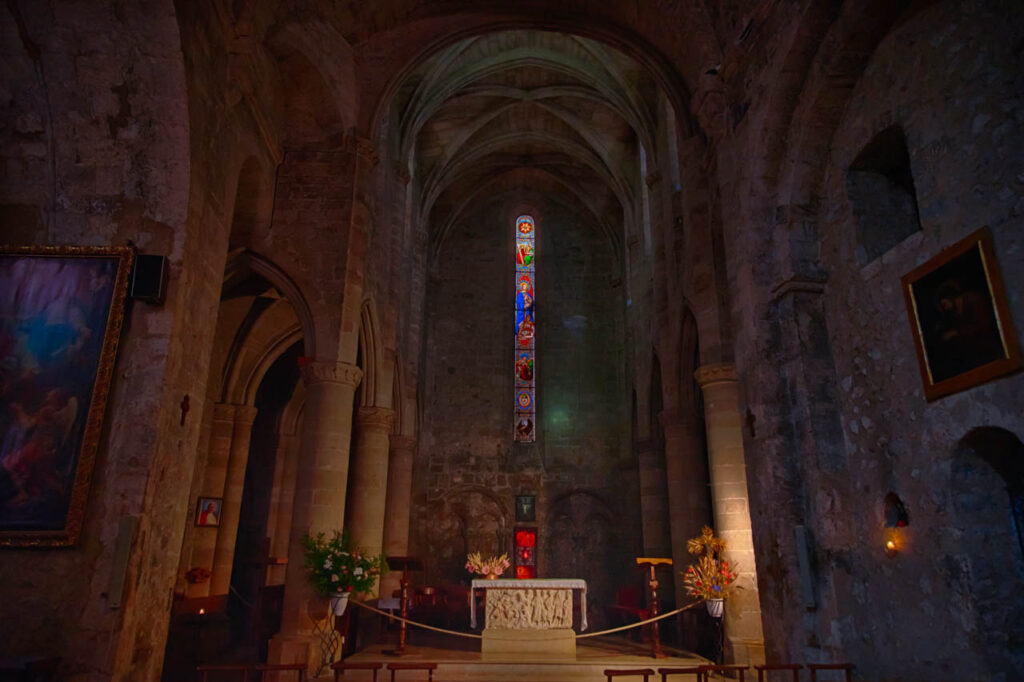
pixel 331 372
pixel 224 412
pixel 245 414
pixel 402 443
pixel 375 417
pixel 721 373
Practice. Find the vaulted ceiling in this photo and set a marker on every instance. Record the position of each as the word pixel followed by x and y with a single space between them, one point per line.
pixel 540 110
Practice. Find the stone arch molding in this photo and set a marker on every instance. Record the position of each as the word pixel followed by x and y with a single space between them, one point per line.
pixel 372 356
pixel 848 41
pixel 245 380
pixel 328 50
pixel 247 260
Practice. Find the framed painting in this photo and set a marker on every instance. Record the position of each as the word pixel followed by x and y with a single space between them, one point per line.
pixel 61 310
pixel 959 317
pixel 208 511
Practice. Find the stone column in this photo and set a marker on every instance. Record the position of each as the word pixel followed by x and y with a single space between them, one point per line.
pixel 205 539
pixel 743 626
pixel 368 484
pixel 398 506
pixel 234 484
pixel 686 476
pixel 319 504
pixel 288 452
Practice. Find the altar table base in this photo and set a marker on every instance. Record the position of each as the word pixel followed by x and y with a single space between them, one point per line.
pixel 503 643
pixel 529 617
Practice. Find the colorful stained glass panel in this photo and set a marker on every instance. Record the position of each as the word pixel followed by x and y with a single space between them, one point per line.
pixel 525 332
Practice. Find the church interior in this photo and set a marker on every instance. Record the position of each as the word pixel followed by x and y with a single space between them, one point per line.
pixel 567 281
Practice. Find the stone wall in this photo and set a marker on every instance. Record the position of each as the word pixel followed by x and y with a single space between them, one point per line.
pixel 468 470
pixel 836 416
pixel 105 161
pixel 965 136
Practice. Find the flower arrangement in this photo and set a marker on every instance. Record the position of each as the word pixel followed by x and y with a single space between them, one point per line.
pixel 712 576
pixel 494 565
pixel 335 566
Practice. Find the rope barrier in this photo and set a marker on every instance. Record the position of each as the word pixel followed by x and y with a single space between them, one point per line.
pixel 470 635
pixel 643 622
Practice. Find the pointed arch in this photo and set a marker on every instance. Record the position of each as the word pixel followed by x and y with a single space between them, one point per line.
pixel 244 261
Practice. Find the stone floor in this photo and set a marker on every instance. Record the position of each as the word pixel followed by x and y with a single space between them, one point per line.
pixel 462 661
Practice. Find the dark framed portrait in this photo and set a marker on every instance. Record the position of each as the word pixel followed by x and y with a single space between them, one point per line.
pixel 208 511
pixel 526 508
pixel 959 317
pixel 61 310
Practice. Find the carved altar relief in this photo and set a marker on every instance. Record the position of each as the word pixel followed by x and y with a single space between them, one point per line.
pixel 529 609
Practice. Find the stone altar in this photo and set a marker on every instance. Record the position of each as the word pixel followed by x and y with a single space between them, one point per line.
pixel 529 616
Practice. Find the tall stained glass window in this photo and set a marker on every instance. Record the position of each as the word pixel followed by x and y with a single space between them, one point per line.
pixel 526 342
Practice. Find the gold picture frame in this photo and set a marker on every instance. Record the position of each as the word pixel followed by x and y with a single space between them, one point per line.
pixel 959 317
pixel 61 313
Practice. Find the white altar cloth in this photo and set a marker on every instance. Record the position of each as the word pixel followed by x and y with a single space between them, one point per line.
pixel 533 583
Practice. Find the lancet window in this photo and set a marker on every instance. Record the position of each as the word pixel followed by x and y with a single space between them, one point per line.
pixel 525 333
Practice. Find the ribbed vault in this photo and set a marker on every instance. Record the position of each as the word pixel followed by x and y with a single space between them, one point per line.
pixel 563 115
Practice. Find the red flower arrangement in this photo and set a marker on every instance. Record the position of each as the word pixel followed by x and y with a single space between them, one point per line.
pixel 711 577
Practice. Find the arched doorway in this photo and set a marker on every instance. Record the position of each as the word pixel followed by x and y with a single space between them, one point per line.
pixel 986 568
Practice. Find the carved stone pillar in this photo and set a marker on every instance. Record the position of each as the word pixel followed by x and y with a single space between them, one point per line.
pixel 219 450
pixel 234 483
pixel 686 476
pixel 368 484
pixel 319 504
pixel 743 627
pixel 398 506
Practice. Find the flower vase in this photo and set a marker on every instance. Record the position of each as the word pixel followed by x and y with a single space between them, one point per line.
pixel 492 576
pixel 715 607
pixel 338 603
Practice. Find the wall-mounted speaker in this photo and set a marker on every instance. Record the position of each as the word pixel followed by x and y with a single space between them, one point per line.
pixel 149 279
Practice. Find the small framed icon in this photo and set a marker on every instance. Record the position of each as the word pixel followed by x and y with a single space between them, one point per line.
pixel 208 511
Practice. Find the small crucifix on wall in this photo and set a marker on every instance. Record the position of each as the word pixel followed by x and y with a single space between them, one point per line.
pixel 526 509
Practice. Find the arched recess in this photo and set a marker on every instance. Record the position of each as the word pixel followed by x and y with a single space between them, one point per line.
pixel 843 52
pixel 467 518
pixel 986 568
pixel 581 524
pixel 253 551
pixel 257 331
